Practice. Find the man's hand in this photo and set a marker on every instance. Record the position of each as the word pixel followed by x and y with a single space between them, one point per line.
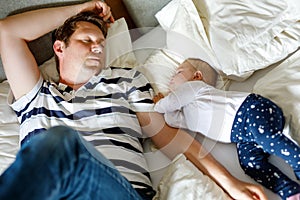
pixel 246 191
pixel 102 9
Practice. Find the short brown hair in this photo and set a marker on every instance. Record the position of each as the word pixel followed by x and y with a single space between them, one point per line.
pixel 64 32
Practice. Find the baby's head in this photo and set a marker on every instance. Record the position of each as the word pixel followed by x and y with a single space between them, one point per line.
pixel 209 74
pixel 194 69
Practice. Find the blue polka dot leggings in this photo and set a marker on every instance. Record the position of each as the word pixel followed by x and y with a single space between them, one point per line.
pixel 257 131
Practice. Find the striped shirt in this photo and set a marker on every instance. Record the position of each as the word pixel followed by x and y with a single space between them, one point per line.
pixel 103 111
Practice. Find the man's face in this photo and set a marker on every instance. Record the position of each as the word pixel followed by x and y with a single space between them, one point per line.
pixel 84 55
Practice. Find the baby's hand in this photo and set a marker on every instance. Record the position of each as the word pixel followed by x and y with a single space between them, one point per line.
pixel 158 97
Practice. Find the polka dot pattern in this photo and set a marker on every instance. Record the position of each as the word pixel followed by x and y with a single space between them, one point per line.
pixel 257 131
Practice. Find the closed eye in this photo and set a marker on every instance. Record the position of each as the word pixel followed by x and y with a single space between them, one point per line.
pixel 87 40
pixel 102 45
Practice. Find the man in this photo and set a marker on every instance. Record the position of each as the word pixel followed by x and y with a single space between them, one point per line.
pixel 108 107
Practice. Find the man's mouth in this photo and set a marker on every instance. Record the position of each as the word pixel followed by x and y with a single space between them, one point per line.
pixel 93 58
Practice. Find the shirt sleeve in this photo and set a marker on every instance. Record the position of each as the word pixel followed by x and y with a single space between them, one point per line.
pixel 141 94
pixel 175 119
pixel 19 104
pixel 183 95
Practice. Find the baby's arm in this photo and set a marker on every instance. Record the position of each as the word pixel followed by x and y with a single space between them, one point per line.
pixel 175 100
pixel 173 118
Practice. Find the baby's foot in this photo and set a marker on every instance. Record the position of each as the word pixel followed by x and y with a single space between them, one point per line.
pixel 294 197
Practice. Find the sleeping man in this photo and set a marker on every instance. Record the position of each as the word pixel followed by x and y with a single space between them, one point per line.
pixel 81 137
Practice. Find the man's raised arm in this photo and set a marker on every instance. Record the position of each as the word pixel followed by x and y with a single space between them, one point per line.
pixel 174 141
pixel 19 64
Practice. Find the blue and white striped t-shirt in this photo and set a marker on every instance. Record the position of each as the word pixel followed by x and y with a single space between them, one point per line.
pixel 103 111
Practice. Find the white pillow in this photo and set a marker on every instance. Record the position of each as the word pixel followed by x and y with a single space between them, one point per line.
pixel 49 71
pixel 7 115
pixel 9 130
pixel 185 33
pixel 245 35
pixel 182 180
pixel 159 67
pixel 281 85
pixel 118 49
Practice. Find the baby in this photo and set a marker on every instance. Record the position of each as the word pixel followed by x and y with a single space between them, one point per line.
pixel 251 121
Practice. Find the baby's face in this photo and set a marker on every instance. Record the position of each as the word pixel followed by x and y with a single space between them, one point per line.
pixel 185 72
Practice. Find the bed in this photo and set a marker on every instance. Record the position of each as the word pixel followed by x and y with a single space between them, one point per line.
pixel 254 45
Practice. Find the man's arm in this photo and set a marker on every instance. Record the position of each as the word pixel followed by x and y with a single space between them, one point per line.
pixel 175 141
pixel 19 64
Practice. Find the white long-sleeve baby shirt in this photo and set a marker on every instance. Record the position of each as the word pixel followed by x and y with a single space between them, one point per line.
pixel 202 108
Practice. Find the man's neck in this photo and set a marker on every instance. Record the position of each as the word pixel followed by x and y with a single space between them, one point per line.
pixel 72 85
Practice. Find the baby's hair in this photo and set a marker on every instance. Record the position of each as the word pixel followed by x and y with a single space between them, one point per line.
pixel 209 74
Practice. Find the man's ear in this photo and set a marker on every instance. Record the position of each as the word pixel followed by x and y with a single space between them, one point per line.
pixel 198 76
pixel 58 47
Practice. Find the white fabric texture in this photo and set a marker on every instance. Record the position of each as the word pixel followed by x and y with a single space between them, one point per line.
pixel 251 35
pixel 118 47
pixel 281 85
pixel 182 180
pixel 185 33
pixel 159 67
pixel 9 130
pixel 238 37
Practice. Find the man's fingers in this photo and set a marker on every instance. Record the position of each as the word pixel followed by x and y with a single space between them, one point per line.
pixel 104 11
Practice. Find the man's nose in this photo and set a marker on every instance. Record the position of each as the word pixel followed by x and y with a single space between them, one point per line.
pixel 97 48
